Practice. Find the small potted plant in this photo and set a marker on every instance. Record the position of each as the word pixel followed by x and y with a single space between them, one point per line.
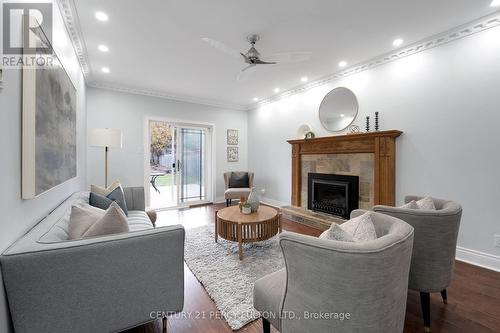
pixel 246 208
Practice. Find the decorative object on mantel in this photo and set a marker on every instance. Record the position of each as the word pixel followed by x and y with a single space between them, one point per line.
pixel 254 200
pixel 368 123
pixel 303 130
pixel 376 121
pixel 232 137
pixel 354 129
pixel 310 135
pixel 338 109
pixel 382 144
pixel 232 154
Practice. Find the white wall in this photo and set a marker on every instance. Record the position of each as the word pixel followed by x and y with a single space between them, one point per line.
pixel 445 100
pixel 128 112
pixel 18 215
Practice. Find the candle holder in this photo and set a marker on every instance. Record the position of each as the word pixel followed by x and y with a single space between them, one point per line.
pixel 368 123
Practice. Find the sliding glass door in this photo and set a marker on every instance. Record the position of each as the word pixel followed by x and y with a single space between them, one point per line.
pixel 191 169
pixel 178 167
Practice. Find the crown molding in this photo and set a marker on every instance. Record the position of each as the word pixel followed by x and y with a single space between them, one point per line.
pixel 451 35
pixel 70 17
pixel 166 95
pixel 72 23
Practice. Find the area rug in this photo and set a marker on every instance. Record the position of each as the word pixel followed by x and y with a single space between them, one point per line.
pixel 227 280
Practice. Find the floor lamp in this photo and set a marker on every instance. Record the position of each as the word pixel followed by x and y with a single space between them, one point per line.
pixel 107 138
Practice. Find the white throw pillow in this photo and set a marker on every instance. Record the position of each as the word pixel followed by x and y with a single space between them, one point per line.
pixel 104 191
pixel 426 204
pixel 358 229
pixel 90 221
pixel 81 218
pixel 335 232
pixel 361 228
pixel 410 205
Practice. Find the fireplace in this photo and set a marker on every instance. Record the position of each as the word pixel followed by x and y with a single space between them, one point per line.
pixel 333 194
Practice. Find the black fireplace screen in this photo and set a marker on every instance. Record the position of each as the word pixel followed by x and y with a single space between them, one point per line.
pixel 333 194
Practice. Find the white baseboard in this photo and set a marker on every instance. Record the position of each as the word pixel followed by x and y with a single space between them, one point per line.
pixel 478 258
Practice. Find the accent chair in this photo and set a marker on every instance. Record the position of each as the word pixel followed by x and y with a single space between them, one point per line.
pixel 433 258
pixel 236 192
pixel 361 286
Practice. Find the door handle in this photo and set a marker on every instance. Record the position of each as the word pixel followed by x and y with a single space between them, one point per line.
pixel 178 166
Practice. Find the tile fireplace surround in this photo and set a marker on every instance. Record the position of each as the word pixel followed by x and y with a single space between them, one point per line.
pixel 371 156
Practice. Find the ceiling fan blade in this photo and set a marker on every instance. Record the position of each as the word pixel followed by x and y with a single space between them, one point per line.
pixel 260 62
pixel 289 57
pixel 246 72
pixel 221 47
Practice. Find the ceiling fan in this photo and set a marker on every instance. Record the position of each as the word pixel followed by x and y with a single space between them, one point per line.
pixel 253 57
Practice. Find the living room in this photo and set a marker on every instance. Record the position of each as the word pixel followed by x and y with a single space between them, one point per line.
pixel 189 166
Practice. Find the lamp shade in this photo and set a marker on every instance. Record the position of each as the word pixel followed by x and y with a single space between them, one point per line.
pixel 105 137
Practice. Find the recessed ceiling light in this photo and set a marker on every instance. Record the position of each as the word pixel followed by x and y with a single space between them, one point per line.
pixel 101 16
pixel 105 70
pixel 495 3
pixel 342 115
pixel 342 64
pixel 277 90
pixel 398 42
pixel 304 79
pixel 255 99
pixel 103 48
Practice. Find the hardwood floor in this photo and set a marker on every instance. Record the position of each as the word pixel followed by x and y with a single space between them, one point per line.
pixel 473 297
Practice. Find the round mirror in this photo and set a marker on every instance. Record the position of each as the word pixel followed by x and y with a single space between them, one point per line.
pixel 338 109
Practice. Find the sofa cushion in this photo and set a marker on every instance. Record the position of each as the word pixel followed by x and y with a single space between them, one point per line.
pixel 138 220
pixel 239 180
pixel 267 295
pixel 104 202
pixel 114 221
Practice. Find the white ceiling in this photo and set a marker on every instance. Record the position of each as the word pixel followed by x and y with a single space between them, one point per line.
pixel 156 45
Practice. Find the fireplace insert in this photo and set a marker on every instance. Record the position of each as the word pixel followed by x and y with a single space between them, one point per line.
pixel 333 194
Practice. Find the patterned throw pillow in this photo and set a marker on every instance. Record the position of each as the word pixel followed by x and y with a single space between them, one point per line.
pixel 335 232
pixel 426 204
pixel 361 228
pixel 410 205
pixel 358 229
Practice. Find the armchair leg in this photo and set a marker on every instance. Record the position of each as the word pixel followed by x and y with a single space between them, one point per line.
pixel 444 295
pixel 230 202
pixel 164 320
pixel 266 326
pixel 425 301
pixel 227 202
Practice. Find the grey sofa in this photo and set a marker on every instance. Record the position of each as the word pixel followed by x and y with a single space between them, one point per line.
pixel 236 193
pixel 102 284
pixel 434 250
pixel 367 280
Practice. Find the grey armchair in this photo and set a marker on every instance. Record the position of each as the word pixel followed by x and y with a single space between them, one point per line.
pixel 366 280
pixel 434 248
pixel 236 193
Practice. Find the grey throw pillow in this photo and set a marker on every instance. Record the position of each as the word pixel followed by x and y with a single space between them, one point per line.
pixel 426 204
pixel 410 205
pixel 104 202
pixel 239 180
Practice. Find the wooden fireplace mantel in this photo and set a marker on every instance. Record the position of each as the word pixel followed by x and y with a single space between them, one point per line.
pixel 382 144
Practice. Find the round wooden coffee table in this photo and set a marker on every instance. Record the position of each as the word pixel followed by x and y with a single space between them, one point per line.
pixel 235 226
